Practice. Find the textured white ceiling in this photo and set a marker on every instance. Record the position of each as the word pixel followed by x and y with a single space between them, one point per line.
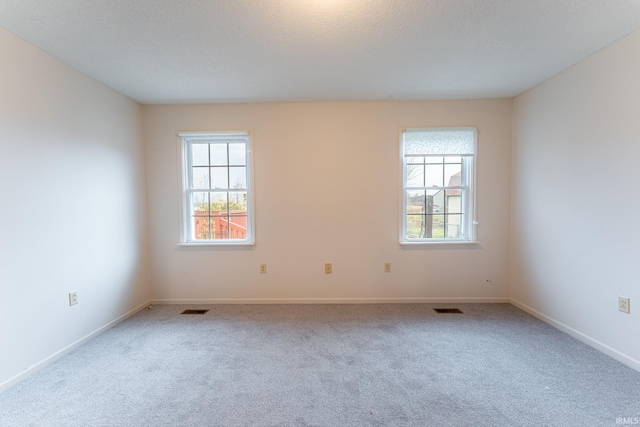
pixel 196 51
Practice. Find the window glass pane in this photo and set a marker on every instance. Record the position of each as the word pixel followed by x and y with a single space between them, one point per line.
pixel 453 229
pixel 415 160
pixel 238 227
pixel 415 175
pixel 220 227
pixel 434 175
pixel 237 154
pixel 218 154
pixel 452 175
pixel 200 203
pixel 434 160
pixel 415 226
pixel 416 202
pixel 238 203
pixel 238 177
pixel 453 159
pixel 200 154
pixel 218 203
pixel 201 227
pixel 435 201
pixel 200 177
pixel 219 178
pixel 453 201
pixel 425 226
pixel 436 223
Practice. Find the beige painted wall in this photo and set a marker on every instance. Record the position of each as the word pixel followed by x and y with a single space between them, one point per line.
pixel 327 182
pixel 575 245
pixel 73 213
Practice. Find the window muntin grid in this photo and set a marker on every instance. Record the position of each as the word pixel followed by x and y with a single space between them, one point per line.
pixel 434 196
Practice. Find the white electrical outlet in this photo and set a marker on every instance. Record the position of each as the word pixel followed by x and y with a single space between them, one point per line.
pixel 624 304
pixel 387 267
pixel 263 268
pixel 327 268
pixel 73 298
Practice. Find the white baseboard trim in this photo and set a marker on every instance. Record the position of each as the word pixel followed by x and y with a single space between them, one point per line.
pixel 170 301
pixel 609 351
pixel 68 349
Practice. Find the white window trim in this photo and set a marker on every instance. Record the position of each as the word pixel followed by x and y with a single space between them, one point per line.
pixel 184 138
pixel 471 202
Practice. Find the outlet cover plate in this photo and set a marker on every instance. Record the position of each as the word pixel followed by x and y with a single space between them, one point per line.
pixel 624 304
pixel 73 298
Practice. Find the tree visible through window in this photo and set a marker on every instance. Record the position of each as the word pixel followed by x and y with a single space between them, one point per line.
pixel 217 191
pixel 438 184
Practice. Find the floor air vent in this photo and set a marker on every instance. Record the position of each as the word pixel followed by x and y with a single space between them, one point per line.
pixel 448 310
pixel 194 312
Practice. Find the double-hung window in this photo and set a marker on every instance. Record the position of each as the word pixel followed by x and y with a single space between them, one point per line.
pixel 438 185
pixel 217 194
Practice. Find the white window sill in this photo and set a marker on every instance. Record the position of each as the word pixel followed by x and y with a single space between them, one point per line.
pixel 215 244
pixel 439 242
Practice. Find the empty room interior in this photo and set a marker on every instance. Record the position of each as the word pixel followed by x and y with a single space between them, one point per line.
pixel 318 177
